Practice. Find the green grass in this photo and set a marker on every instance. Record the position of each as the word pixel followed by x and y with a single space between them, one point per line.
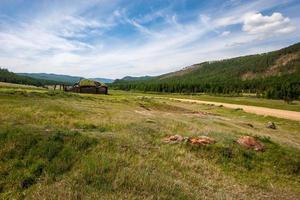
pixel 27 156
pixel 59 145
pixel 19 86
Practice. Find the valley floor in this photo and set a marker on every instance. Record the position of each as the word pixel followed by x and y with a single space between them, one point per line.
pixel 57 145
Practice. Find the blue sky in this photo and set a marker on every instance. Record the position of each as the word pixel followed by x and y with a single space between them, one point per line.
pixel 116 38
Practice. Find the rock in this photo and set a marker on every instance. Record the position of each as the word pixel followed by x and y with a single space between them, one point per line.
pixel 250 143
pixel 144 107
pixel 150 121
pixel 239 109
pixel 202 140
pixel 174 139
pixel 271 125
pixel 250 125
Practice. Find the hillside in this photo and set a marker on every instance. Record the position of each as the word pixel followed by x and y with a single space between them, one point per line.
pixel 53 77
pixel 10 77
pixel 58 145
pixel 62 78
pixel 275 74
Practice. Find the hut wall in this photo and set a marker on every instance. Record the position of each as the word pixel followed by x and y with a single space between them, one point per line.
pixel 90 90
pixel 102 90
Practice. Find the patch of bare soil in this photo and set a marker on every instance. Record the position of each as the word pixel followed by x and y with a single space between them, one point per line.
pixel 281 62
pixel 248 76
pixel 285 114
pixel 143 112
pixel 276 69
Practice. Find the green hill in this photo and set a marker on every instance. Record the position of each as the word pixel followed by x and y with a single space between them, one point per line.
pixel 53 77
pixel 275 74
pixel 10 77
pixel 62 78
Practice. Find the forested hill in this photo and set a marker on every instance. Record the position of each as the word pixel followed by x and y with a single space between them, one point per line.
pixel 53 77
pixel 275 74
pixel 62 78
pixel 10 77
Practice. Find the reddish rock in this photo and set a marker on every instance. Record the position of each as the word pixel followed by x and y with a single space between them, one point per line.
pixel 202 140
pixel 250 143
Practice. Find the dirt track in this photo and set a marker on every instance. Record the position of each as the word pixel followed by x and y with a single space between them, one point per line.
pixel 286 114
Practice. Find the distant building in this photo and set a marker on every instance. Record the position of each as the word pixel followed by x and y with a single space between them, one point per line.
pixel 88 86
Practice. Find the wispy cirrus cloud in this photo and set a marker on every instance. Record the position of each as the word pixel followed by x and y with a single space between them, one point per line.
pixel 114 39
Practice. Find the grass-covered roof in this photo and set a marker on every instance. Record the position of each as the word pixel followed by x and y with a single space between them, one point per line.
pixel 87 82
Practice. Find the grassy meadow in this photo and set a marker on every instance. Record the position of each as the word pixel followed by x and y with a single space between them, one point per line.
pixel 57 145
pixel 243 99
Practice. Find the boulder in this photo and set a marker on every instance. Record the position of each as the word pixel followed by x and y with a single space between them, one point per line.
pixel 271 125
pixel 250 143
pixel 202 140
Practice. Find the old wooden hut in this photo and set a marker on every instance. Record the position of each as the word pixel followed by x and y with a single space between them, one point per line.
pixel 88 86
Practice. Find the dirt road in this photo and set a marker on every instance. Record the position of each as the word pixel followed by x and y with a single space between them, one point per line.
pixel 285 114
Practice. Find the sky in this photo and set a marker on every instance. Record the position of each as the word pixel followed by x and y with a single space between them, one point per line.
pixel 117 38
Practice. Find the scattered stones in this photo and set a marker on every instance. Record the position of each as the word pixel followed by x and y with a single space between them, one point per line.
pixel 245 141
pixel 202 140
pixel 271 125
pixel 250 143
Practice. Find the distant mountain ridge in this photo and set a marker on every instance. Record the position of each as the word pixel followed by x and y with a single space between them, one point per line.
pixel 62 78
pixel 103 80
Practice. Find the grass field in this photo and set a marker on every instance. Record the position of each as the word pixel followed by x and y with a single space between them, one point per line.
pixel 57 145
pixel 250 100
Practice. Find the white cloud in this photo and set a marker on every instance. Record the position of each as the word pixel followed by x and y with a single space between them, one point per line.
pixel 225 33
pixel 225 21
pixel 59 42
pixel 256 23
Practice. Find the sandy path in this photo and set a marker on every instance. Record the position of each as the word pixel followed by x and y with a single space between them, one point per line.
pixel 286 114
